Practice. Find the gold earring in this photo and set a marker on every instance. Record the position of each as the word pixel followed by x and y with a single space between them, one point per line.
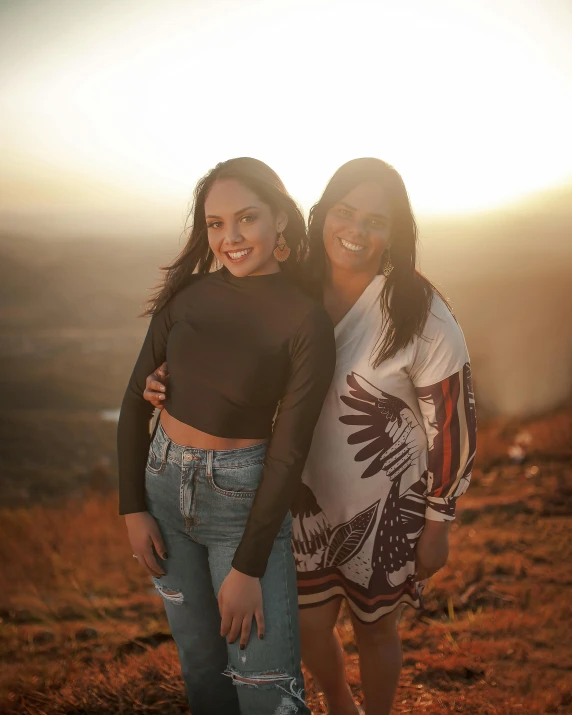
pixel 387 264
pixel 282 250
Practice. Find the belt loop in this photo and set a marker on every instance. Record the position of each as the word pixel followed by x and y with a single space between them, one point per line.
pixel 209 462
pixel 155 427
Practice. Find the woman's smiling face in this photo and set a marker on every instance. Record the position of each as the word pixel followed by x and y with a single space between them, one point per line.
pixel 357 229
pixel 242 229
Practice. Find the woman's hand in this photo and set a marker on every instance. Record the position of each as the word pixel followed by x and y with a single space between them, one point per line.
pixel 239 601
pixel 156 385
pixel 432 549
pixel 144 534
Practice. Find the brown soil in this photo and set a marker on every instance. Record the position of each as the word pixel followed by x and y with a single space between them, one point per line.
pixel 82 630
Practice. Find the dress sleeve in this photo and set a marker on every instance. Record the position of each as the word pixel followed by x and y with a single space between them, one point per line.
pixel 441 373
pixel 313 358
pixel 134 418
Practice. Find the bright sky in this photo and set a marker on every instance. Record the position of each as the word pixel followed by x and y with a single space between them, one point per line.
pixel 115 104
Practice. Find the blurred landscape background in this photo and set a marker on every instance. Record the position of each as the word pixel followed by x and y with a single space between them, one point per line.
pixel 70 330
pixel 108 117
pixel 82 630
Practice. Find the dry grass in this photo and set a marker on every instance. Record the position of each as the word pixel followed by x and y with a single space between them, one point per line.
pixel 82 630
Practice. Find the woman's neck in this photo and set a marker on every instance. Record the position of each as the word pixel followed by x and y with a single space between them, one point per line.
pixel 342 289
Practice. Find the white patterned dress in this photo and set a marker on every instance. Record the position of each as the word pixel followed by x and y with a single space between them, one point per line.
pixel 393 446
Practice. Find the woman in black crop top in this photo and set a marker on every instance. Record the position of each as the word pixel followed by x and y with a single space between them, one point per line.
pixel 250 358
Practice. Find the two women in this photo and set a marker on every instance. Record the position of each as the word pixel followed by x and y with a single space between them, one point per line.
pixel 207 503
pixel 395 441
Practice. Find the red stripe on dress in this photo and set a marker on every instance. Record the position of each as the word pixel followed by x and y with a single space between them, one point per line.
pixel 445 455
pixel 358 597
pixel 454 433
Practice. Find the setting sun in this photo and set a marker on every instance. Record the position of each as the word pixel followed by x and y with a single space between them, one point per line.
pixel 132 103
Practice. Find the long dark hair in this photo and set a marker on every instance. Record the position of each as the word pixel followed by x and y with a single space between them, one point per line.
pixel 197 257
pixel 406 295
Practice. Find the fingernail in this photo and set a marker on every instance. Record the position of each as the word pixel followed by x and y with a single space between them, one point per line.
pixel 261 637
pixel 161 397
pixel 241 647
pixel 164 556
pixel 162 389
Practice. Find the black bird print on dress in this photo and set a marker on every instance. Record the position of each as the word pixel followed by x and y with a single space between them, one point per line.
pixel 394 436
pixel 347 539
pixel 311 530
pixel 399 527
pixel 387 423
pixel 316 544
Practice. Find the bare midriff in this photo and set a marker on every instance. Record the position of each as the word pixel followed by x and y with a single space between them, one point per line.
pixel 188 436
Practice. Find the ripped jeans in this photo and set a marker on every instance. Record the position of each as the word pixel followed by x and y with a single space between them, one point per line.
pixel 201 500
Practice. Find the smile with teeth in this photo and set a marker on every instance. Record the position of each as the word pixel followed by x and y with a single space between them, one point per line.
pixel 355 247
pixel 237 255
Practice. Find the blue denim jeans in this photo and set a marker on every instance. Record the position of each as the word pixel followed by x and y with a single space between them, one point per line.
pixel 201 500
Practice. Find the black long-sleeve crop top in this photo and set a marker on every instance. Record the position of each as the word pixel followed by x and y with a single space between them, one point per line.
pixel 236 349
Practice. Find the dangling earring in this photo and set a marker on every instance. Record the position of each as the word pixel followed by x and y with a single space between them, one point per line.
pixel 282 250
pixel 387 264
pixel 216 265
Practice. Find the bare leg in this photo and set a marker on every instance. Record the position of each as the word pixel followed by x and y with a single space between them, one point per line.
pixel 323 656
pixel 379 648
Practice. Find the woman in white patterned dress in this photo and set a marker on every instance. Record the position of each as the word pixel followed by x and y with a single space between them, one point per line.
pixel 395 442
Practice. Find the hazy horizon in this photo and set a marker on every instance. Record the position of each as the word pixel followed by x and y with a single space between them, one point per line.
pixel 142 221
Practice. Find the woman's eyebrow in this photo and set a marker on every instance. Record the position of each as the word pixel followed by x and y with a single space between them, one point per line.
pixel 347 206
pixel 236 213
pixel 353 208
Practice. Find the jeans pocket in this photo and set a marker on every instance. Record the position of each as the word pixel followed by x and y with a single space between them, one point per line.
pixel 237 482
pixel 155 464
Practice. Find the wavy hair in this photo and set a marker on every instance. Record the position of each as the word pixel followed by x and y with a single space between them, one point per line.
pixel 406 295
pixel 197 257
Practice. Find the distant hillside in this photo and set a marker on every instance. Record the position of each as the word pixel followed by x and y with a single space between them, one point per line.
pixel 538 229
pixel 508 274
pixel 76 284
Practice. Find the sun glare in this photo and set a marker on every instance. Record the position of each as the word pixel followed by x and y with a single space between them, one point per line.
pixel 460 101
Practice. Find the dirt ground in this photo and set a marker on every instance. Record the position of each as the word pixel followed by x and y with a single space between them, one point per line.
pixel 83 631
